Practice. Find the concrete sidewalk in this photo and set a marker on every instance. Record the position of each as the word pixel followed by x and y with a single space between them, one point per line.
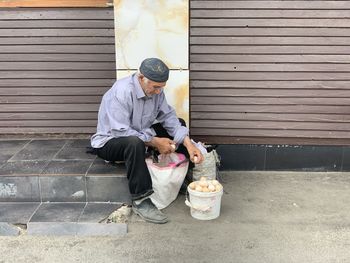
pixel 265 217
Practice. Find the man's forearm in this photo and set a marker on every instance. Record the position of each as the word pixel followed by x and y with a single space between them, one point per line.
pixel 187 142
pixel 153 142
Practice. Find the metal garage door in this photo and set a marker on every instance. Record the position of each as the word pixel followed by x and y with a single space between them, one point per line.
pixel 55 64
pixel 270 71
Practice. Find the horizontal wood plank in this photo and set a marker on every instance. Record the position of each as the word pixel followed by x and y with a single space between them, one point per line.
pixel 247 67
pixel 290 117
pixel 269 140
pixel 252 84
pixel 56 32
pixel 57 57
pixel 274 125
pixel 52 91
pixel 56 40
pixel 270 49
pixel 106 49
pixel 271 133
pixel 269 101
pixel 254 31
pixel 278 93
pixel 47 130
pixel 292 76
pixel 100 24
pixel 48 123
pixel 49 116
pixel 57 65
pixel 50 99
pixel 300 109
pixel 56 13
pixel 256 5
pixel 266 13
pixel 56 3
pixel 270 58
pixel 75 107
pixel 54 82
pixel 77 74
pixel 272 22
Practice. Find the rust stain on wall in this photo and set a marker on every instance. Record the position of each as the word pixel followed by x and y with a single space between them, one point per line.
pixel 179 100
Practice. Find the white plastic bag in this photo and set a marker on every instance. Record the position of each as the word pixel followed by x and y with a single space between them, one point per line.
pixel 167 177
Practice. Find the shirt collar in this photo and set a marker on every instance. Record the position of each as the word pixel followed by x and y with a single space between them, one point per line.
pixel 140 94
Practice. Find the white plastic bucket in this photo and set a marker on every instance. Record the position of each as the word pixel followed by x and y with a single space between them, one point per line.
pixel 204 206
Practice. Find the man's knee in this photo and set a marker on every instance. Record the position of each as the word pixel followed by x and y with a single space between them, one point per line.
pixel 136 143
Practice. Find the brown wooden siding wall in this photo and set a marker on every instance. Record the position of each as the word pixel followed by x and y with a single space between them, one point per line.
pixel 55 63
pixel 270 71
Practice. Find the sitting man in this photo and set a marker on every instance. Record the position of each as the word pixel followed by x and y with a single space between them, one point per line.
pixel 125 127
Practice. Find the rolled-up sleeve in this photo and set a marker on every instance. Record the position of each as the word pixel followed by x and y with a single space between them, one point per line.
pixel 167 117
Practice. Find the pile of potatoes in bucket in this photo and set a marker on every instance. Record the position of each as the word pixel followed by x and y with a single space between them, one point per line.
pixel 206 186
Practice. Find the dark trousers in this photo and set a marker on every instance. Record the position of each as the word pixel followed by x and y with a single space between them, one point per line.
pixel 132 150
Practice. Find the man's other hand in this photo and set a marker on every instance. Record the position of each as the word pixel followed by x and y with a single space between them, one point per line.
pixel 195 154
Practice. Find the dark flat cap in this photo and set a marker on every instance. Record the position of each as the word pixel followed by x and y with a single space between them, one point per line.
pixel 154 69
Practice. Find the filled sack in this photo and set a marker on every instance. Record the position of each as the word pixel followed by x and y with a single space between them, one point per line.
pixel 209 168
pixel 167 176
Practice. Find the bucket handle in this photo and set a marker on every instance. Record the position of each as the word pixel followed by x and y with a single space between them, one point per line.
pixel 202 209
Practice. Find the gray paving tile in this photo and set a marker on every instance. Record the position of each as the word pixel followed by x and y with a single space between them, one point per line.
pixel 76 229
pixel 12 144
pixel 78 143
pixel 51 228
pixel 49 143
pixel 19 189
pixel 108 189
pixel 2 162
pixel 58 212
pixel 23 167
pixel 8 153
pixel 35 154
pixel 74 153
pixel 17 213
pixel 7 229
pixel 63 188
pixel 4 156
pixel 95 212
pixel 100 167
pixel 10 148
pixel 67 167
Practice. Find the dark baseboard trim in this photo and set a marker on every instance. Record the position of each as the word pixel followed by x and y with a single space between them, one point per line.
pixel 284 157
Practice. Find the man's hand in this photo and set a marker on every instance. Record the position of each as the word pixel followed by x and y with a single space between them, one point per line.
pixel 195 154
pixel 163 145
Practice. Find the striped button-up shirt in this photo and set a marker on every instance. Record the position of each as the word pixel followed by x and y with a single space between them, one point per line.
pixel 125 110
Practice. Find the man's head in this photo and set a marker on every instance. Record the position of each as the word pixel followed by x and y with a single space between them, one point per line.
pixel 153 76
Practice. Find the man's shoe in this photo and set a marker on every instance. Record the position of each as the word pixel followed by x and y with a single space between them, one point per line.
pixel 149 212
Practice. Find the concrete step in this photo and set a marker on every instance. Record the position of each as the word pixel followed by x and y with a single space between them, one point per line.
pixel 58 170
pixel 57 218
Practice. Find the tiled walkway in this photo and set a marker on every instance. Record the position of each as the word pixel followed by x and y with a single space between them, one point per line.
pixel 52 157
pixel 55 180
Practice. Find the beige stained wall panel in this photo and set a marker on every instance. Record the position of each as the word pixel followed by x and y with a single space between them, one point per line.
pixel 160 29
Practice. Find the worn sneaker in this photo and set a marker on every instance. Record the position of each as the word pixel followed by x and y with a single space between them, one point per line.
pixel 149 212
